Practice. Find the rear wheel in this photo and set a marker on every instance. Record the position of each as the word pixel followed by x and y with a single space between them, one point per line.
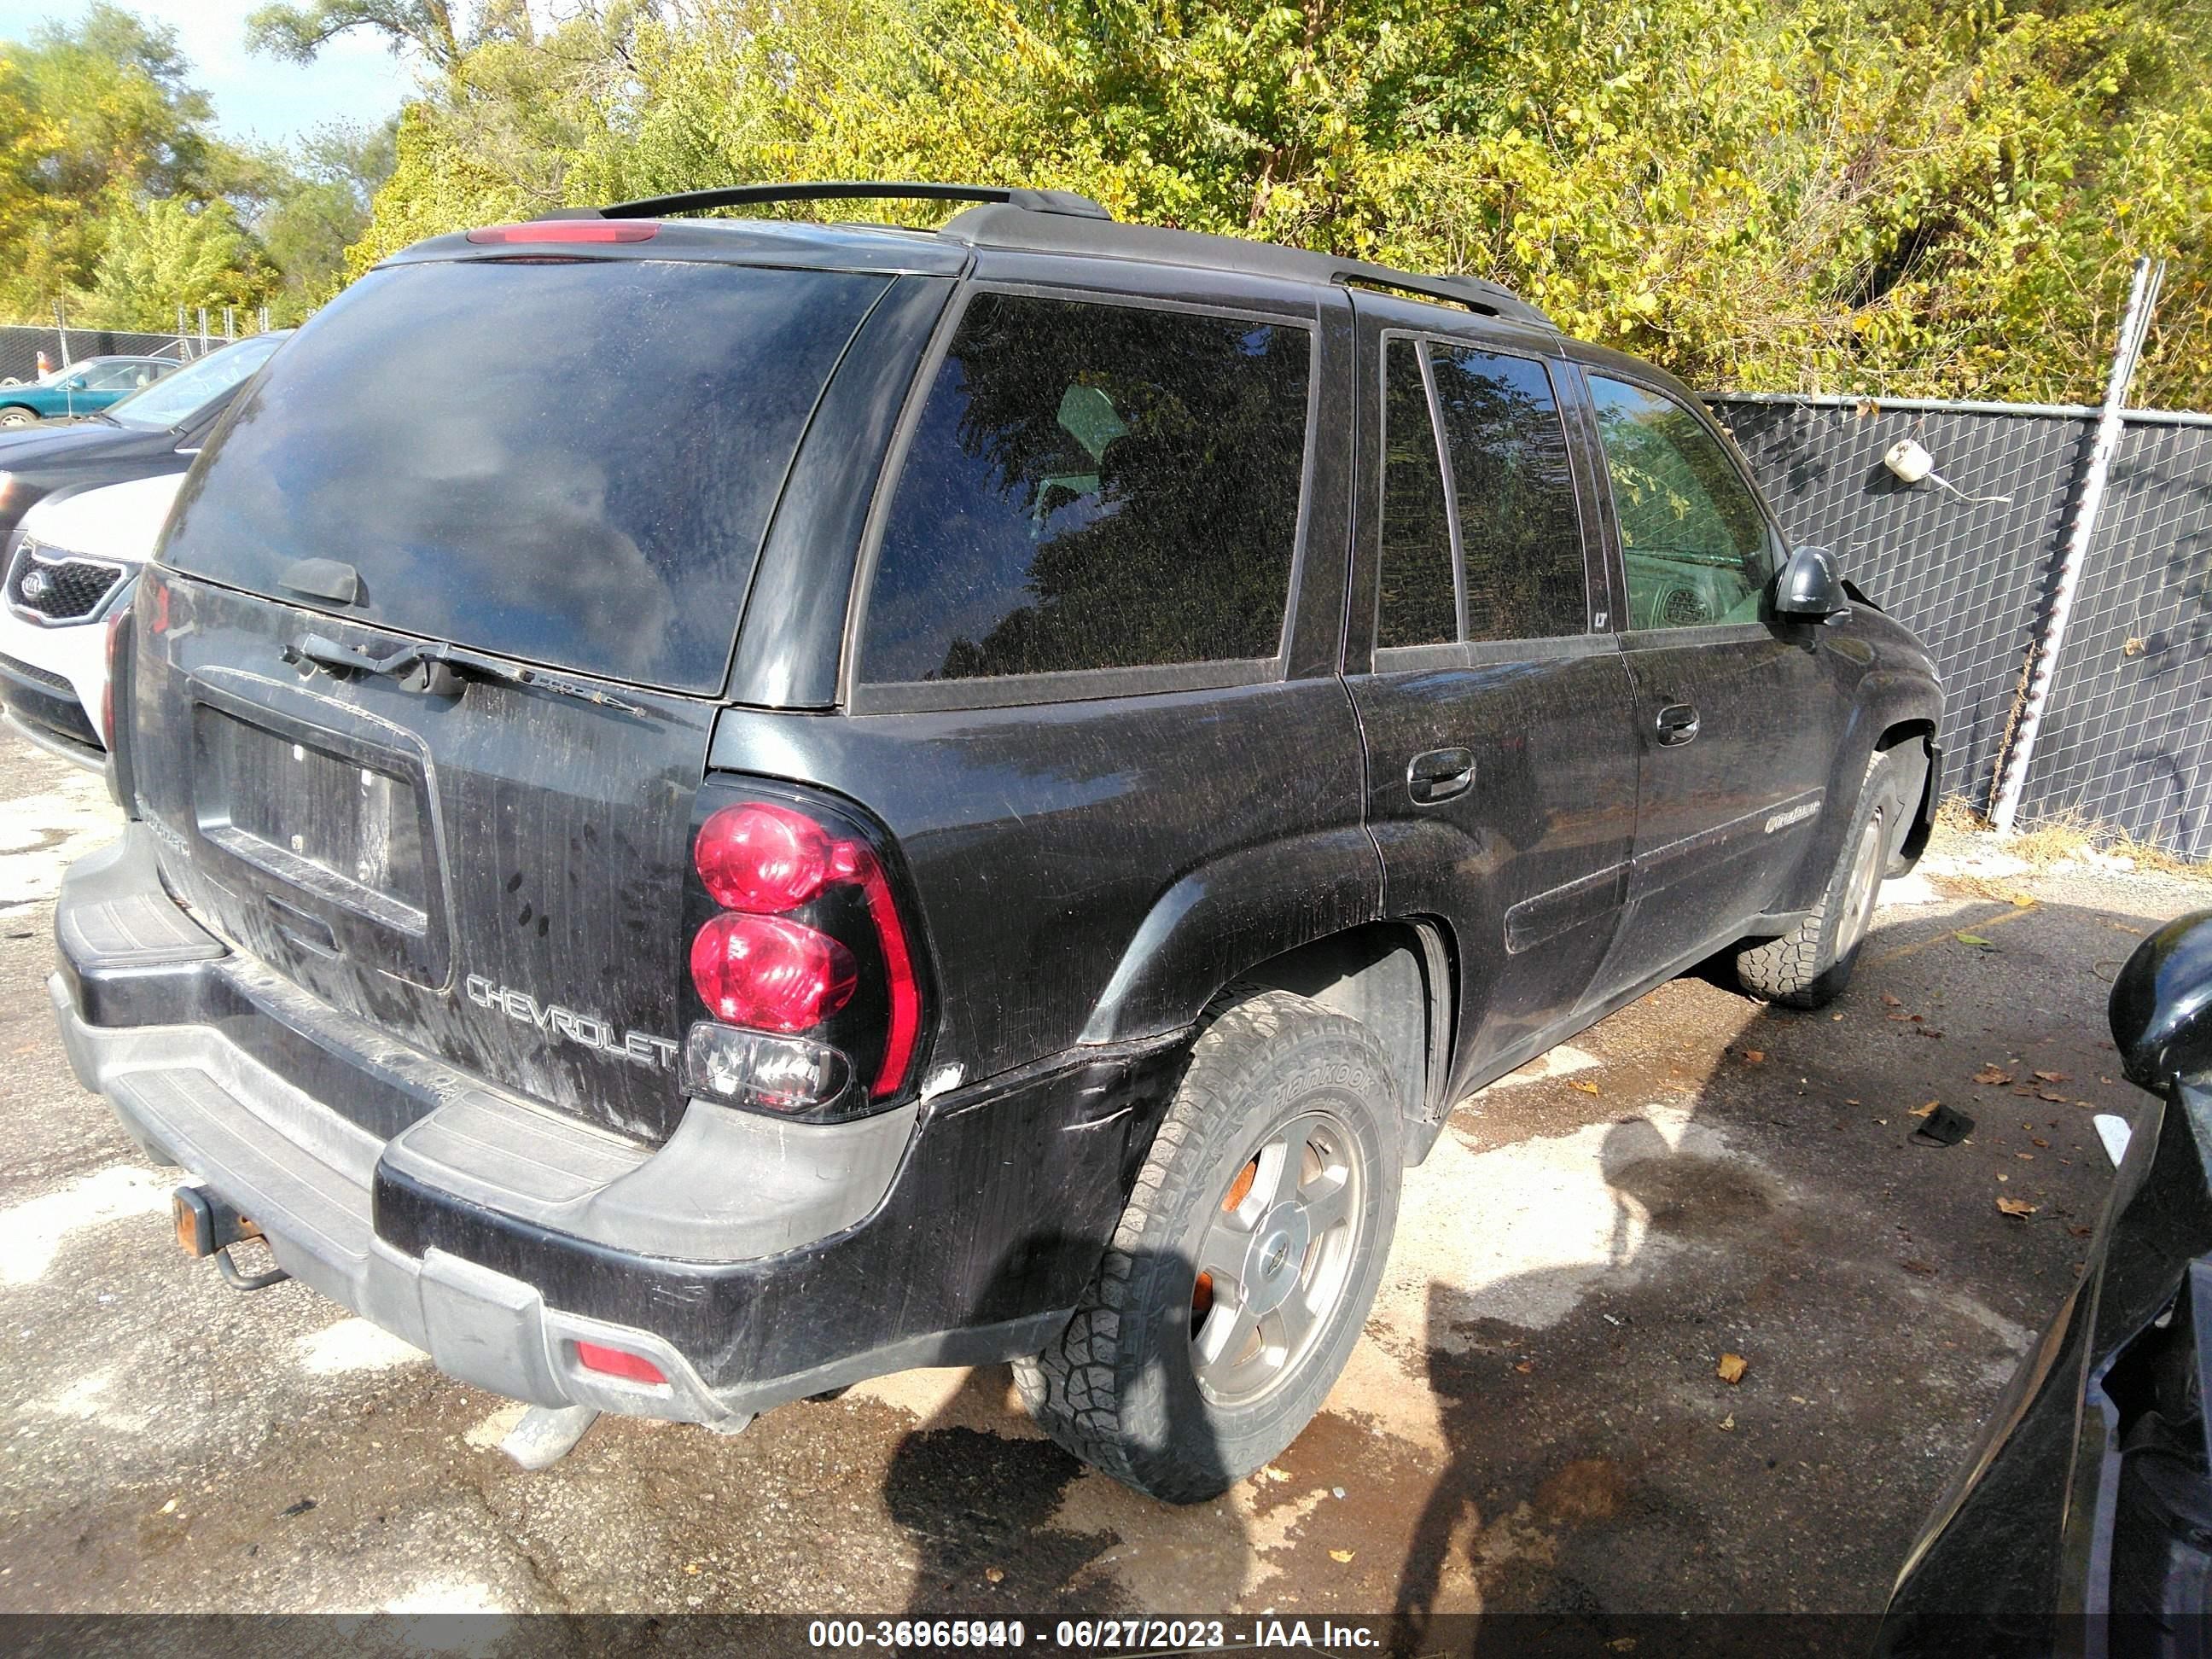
pixel 1244 1265
pixel 16 416
pixel 1809 966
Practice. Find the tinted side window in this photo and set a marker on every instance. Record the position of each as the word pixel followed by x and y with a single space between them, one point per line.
pixel 1417 606
pixel 1093 486
pixel 1692 535
pixel 1519 538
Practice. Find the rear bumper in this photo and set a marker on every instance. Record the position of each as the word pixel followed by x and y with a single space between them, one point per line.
pixel 751 1262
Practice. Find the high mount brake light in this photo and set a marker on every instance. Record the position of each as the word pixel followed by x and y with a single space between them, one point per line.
pixel 568 230
pixel 756 967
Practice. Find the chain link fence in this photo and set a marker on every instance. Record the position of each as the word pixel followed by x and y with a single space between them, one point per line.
pixel 20 345
pixel 2127 740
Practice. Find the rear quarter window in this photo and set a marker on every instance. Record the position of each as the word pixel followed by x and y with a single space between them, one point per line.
pixel 568 461
pixel 1093 486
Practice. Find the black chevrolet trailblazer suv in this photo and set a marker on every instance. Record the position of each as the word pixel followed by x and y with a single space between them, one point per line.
pixel 720 808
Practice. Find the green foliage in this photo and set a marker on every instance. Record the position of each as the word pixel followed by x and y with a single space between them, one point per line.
pixel 160 253
pixel 430 27
pixel 1898 196
pixel 317 204
pixel 111 183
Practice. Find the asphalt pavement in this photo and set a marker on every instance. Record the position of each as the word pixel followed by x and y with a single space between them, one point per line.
pixel 1537 1419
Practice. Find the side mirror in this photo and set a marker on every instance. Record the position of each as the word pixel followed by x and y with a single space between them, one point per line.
pixel 2161 1002
pixel 1809 588
pixel 75 383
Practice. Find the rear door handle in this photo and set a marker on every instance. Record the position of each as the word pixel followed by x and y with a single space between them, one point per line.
pixel 1677 724
pixel 1440 773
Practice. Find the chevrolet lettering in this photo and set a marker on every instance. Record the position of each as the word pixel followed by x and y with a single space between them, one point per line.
pixel 637 1047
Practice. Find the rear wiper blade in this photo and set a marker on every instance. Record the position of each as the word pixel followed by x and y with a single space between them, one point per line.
pixel 437 670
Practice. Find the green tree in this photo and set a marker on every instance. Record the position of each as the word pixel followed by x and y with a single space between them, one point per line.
pixel 161 254
pixel 98 122
pixel 314 203
pixel 429 27
pixel 1895 195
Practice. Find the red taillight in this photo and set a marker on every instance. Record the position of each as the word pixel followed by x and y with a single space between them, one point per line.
pixel 116 624
pixel 756 967
pixel 769 974
pixel 569 230
pixel 766 859
pixel 614 1362
pixel 898 968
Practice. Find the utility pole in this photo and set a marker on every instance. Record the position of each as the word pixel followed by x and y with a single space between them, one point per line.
pixel 2043 666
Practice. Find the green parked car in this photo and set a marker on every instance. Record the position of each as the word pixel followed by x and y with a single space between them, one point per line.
pixel 81 389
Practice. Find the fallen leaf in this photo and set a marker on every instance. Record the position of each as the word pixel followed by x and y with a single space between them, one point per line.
pixel 2052 1077
pixel 1974 939
pixel 1924 1269
pixel 1341 1555
pixel 2037 1140
pixel 1588 1088
pixel 996 1575
pixel 1990 1074
pixel 2080 1232
pixel 1274 1474
pixel 1728 1422
pixel 2050 1095
pixel 2024 901
pixel 2024 1157
pixel 2015 1206
pixel 1890 1001
pixel 169 1508
pixel 1923 1111
pixel 1754 1056
pixel 1900 1018
pixel 1525 1367
pixel 1731 1369
pixel 691 1567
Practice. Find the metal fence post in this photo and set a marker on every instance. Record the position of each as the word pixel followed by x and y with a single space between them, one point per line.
pixel 2034 695
pixel 61 329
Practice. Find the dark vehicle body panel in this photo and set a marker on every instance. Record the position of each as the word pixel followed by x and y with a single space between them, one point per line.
pixel 1089 860
pixel 2082 1522
pixel 45 460
pixel 528 843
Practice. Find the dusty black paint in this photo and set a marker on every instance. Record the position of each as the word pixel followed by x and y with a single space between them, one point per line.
pixel 1085 860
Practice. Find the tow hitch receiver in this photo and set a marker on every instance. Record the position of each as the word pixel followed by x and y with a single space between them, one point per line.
pixel 207 1226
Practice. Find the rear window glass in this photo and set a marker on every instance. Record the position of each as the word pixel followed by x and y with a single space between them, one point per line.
pixel 1093 486
pixel 1520 539
pixel 571 462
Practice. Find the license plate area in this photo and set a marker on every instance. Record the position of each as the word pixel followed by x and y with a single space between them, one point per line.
pixel 318 820
pixel 319 823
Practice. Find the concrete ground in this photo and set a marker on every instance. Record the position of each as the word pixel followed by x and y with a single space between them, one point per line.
pixel 1535 1421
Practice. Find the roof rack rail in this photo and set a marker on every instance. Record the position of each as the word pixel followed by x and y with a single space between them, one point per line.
pixel 1472 291
pixel 1063 202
